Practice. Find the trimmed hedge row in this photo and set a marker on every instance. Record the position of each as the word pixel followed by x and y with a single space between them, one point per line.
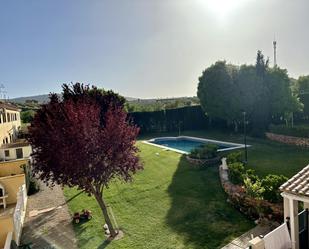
pixel 186 118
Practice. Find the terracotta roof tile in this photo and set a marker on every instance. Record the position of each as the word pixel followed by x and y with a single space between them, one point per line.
pixel 298 184
pixel 9 106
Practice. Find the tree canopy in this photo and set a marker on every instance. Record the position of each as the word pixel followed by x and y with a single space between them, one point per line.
pixel 216 83
pixel 303 92
pixel 226 91
pixel 84 140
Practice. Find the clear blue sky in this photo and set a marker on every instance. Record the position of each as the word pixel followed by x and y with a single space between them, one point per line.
pixel 143 48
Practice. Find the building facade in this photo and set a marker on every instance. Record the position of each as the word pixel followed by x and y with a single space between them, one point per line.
pixel 10 123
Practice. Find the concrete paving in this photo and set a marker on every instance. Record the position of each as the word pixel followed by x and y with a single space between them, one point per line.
pixel 48 222
pixel 242 242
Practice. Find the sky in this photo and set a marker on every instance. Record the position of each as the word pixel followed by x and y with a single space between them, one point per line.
pixel 143 48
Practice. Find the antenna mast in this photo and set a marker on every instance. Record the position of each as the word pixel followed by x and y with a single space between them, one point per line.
pixel 275 52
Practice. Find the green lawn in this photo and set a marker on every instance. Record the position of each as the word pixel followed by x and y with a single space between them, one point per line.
pixel 168 205
pixel 264 156
pixel 171 205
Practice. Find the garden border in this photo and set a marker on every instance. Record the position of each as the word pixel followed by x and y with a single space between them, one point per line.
pixel 298 141
pixel 244 203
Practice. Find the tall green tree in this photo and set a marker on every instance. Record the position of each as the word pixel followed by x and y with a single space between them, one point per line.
pixel 225 91
pixel 262 113
pixel 216 89
pixel 303 92
pixel 248 90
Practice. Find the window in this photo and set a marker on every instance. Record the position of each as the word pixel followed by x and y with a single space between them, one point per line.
pixel 6 140
pixel 4 117
pixel 19 153
pixel 8 117
pixel 6 153
pixel 15 116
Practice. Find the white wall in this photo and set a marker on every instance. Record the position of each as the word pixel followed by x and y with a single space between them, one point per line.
pixel 12 151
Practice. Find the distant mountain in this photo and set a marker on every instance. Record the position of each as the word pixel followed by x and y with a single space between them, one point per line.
pixel 44 98
pixel 40 98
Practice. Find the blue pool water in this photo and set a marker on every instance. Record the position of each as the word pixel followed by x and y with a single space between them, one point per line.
pixel 185 144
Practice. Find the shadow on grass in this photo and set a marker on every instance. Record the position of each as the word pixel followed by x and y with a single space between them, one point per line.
pixel 73 197
pixel 104 244
pixel 199 211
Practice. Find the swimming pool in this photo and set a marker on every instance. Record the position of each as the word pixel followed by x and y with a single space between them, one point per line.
pixel 185 144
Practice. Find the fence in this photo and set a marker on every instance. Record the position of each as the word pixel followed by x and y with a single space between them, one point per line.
pixel 171 120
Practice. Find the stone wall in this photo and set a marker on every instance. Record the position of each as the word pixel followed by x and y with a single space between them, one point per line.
pixel 205 162
pixel 299 141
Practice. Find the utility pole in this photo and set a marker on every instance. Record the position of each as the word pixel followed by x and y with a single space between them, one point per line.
pixel 2 92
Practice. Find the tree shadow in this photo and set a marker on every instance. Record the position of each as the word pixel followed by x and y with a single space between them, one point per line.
pixel 104 244
pixel 199 210
pixel 47 231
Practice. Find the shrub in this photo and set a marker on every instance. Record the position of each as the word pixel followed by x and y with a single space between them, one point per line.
pixel 236 172
pixel 27 116
pixel 271 184
pixel 254 189
pixel 296 131
pixel 250 173
pixel 234 157
pixel 34 187
pixel 207 151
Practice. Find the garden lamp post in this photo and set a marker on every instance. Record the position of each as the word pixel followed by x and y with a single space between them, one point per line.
pixel 245 137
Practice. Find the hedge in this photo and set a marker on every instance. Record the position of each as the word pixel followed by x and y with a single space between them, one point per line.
pixel 185 118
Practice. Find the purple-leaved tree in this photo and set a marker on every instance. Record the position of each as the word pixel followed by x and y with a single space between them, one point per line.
pixel 84 139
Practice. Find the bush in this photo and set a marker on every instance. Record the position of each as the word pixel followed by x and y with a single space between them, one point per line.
pixel 234 157
pixel 250 173
pixel 271 184
pixel 207 151
pixel 236 172
pixel 27 116
pixel 34 187
pixel 254 189
pixel 296 131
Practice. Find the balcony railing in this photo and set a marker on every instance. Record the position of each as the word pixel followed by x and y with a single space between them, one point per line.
pixel 19 213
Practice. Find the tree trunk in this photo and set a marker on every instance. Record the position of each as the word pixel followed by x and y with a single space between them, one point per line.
pixel 235 126
pixel 103 207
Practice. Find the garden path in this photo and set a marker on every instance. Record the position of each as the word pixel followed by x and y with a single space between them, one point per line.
pixel 242 242
pixel 48 222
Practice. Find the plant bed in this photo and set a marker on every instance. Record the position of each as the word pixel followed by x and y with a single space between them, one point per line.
pixel 244 196
pixel 204 155
pixel 84 215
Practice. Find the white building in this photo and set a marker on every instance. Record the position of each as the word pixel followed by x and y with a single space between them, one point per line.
pixel 9 123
